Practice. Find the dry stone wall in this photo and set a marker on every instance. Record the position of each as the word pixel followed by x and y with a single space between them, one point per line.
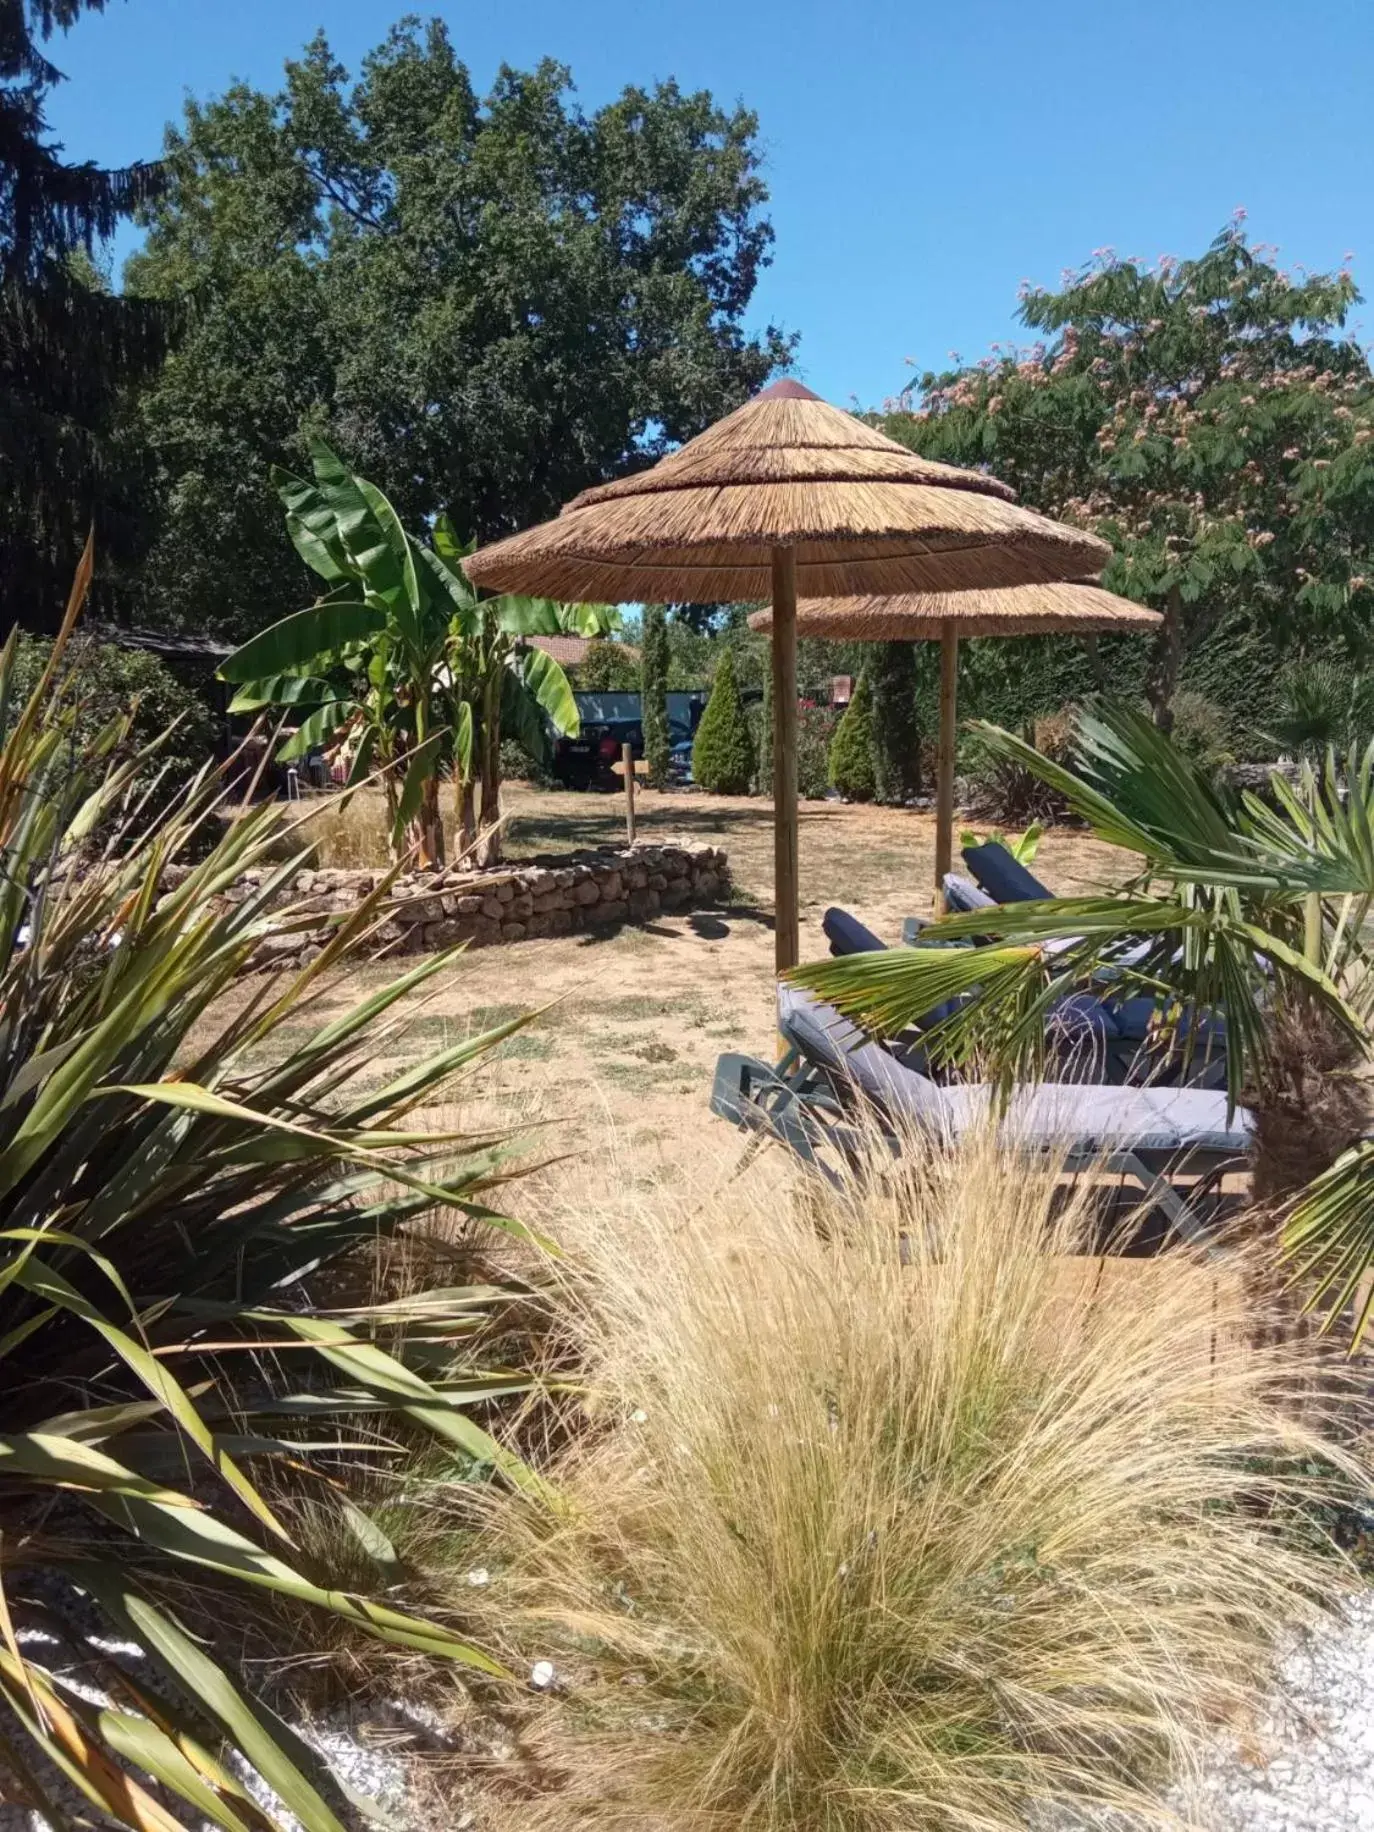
pixel 432 910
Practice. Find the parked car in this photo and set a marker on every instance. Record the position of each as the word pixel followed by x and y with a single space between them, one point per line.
pixel 611 720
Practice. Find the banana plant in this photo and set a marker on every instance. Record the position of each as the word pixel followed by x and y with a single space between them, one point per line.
pixel 1235 903
pixel 506 686
pixel 182 1159
pixel 368 671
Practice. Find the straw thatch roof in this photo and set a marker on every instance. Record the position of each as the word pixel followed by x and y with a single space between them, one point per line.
pixel 787 470
pixel 1018 610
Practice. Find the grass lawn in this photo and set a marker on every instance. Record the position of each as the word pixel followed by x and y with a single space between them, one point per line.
pixel 638 1016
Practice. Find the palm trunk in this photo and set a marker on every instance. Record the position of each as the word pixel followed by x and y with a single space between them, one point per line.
pixel 465 808
pixel 425 834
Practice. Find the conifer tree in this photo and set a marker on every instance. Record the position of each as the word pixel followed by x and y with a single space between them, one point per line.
pixel 68 346
pixel 723 754
pixel 851 749
pixel 896 738
pixel 653 682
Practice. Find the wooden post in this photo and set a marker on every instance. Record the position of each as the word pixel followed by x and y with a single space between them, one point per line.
pixel 627 763
pixel 944 788
pixel 786 941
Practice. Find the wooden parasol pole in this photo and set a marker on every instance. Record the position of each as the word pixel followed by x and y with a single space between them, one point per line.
pixel 786 942
pixel 944 787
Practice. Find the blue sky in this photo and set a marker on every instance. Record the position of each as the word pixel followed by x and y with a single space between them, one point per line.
pixel 922 158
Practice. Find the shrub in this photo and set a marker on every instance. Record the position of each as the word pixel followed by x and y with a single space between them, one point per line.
pixel 179 1166
pixel 723 752
pixel 108 683
pixel 851 749
pixel 1201 730
pixel 815 733
pixel 653 687
pixel 608 667
pixel 896 735
pixel 1004 791
pixel 966 1532
pixel 1323 704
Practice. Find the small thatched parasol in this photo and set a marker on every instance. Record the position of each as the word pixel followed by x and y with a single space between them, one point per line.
pixel 1020 610
pixel 786 494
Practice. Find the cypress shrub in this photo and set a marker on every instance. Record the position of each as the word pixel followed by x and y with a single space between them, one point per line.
pixel 653 687
pixel 851 749
pixel 763 771
pixel 723 754
pixel 896 735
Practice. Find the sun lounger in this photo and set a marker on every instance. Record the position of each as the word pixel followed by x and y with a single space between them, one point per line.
pixel 1174 1144
pixel 1087 1041
pixel 1134 1029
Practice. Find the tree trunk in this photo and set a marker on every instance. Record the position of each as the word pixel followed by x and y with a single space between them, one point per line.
pixel 425 834
pixel 1095 662
pixel 465 807
pixel 1164 667
pixel 489 831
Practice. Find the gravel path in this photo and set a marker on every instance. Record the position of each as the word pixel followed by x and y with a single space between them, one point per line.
pixel 1308 1767
pixel 1312 1761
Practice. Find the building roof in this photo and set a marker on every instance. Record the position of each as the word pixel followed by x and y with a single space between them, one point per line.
pixel 571 651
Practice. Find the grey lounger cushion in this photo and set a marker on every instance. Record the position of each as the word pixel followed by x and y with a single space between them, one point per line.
pixel 1087 1117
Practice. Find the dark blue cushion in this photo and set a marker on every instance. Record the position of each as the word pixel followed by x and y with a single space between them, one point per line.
pixel 847 935
pixel 1079 1016
pixel 1001 876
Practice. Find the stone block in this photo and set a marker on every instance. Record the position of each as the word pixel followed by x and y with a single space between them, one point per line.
pixel 492 908
pixel 512 931
pixel 653 903
pixel 611 887
pixel 505 892
pixel 587 892
pixel 549 900
pixel 610 912
pixel 560 922
pixel 519 907
pixel 539 925
pixel 657 881
pixel 675 896
pixel 467 906
pixel 444 934
pixel 637 878
pixel 638 904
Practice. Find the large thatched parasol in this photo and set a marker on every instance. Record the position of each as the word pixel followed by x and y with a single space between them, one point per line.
pixel 1018 610
pixel 786 494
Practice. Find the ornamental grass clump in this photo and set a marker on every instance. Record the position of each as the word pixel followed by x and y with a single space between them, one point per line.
pixel 894 1509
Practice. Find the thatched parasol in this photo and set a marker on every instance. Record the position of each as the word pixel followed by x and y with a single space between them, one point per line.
pixel 786 494
pixel 1020 610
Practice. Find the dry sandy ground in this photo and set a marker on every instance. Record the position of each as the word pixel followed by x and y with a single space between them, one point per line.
pixel 638 1016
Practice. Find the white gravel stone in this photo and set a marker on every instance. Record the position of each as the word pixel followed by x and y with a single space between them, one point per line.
pixel 1308 1766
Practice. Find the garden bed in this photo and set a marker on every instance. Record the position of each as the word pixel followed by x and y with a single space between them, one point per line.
pixel 519 902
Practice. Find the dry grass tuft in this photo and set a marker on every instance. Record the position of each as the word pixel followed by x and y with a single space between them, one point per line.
pixel 856 1545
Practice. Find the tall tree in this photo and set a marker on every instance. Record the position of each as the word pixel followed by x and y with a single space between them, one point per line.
pixel 653 663
pixel 487 304
pixel 1211 418
pixel 896 735
pixel 67 346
